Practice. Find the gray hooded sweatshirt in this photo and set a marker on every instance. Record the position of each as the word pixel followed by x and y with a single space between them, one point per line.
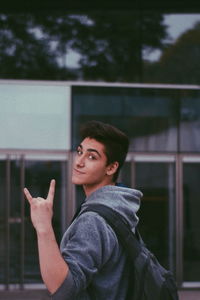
pixel 97 263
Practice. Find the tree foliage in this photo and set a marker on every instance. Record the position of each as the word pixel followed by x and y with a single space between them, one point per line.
pixel 110 45
pixel 180 62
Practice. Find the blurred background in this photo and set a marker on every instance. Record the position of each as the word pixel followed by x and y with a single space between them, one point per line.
pixel 136 66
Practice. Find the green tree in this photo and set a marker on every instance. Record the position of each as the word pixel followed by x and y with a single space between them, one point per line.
pixel 25 51
pixel 110 45
pixel 180 62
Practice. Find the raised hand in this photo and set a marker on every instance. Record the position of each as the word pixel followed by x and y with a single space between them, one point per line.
pixel 42 209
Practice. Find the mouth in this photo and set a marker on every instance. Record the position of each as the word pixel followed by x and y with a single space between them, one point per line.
pixel 78 172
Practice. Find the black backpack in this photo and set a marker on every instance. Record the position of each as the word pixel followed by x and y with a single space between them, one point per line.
pixel 149 280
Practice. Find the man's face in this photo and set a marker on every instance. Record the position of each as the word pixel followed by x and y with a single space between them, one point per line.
pixel 90 165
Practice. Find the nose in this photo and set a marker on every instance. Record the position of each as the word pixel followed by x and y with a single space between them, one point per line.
pixel 80 161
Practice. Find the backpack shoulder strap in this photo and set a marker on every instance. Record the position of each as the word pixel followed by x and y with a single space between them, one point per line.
pixel 121 228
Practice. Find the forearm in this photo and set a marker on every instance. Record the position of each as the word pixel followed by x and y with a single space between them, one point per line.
pixel 52 265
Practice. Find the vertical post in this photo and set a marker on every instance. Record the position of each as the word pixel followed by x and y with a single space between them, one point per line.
pixel 133 177
pixel 64 187
pixel 71 197
pixel 179 220
pixel 171 215
pixel 22 231
pixel 7 226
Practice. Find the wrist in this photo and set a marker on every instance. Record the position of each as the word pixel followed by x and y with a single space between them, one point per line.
pixel 45 232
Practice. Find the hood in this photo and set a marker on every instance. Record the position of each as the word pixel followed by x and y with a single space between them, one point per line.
pixel 125 201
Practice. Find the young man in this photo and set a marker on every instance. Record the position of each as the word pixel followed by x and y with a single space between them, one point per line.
pixel 90 264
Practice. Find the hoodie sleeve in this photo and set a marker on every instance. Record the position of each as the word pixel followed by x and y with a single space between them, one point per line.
pixel 86 248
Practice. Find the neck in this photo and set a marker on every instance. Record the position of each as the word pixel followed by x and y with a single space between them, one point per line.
pixel 90 189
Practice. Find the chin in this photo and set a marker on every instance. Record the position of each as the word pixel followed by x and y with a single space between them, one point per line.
pixel 76 180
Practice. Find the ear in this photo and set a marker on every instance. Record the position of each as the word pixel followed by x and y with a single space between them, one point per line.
pixel 112 168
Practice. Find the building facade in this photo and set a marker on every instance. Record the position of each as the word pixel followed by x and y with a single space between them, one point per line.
pixel 39 129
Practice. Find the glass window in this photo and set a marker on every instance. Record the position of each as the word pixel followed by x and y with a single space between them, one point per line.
pixel 177 58
pixel 80 196
pixel 18 247
pixel 34 117
pixel 15 224
pixel 11 215
pixel 190 121
pixel 191 242
pixel 37 178
pixel 3 213
pixel 157 212
pixel 125 175
pixel 148 116
pixel 127 45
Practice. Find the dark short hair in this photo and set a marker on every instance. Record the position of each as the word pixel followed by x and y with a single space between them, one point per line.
pixel 115 141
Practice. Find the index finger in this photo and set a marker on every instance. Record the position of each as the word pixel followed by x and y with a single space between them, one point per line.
pixel 51 192
pixel 28 195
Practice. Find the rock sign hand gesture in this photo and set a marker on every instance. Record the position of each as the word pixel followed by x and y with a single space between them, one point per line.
pixel 42 209
pixel 52 265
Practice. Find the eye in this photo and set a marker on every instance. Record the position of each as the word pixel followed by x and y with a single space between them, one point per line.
pixel 91 157
pixel 79 152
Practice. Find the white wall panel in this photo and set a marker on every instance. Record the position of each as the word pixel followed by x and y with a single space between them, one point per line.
pixel 35 116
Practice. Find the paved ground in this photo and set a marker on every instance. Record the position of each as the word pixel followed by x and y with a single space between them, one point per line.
pixel 189 295
pixel 43 295
pixel 24 295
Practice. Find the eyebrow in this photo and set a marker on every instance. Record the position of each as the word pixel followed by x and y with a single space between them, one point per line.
pixel 90 150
